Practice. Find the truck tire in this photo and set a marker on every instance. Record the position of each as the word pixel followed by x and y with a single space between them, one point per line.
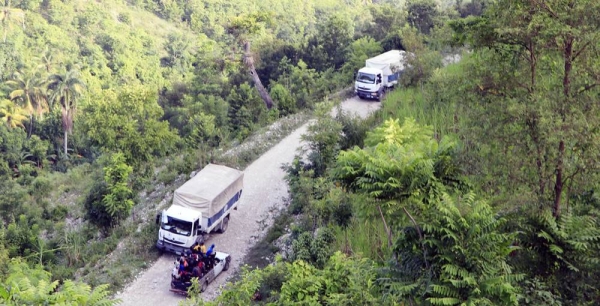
pixel 226 266
pixel 224 225
pixel 204 286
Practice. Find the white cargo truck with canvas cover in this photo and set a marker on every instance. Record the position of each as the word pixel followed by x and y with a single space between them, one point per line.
pixel 380 73
pixel 200 206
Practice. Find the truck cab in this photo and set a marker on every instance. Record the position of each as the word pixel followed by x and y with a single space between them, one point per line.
pixel 180 228
pixel 369 83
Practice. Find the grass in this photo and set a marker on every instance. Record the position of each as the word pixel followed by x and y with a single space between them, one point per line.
pixel 363 238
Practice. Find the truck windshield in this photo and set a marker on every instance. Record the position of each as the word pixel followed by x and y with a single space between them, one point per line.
pixel 177 226
pixel 365 78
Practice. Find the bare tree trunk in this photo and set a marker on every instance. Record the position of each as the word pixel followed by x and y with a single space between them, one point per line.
pixel 387 229
pixel 66 155
pixel 249 62
pixel 30 130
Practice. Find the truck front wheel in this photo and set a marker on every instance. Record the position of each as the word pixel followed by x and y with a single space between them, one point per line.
pixel 224 225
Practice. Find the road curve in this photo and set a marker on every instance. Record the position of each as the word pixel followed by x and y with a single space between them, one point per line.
pixel 264 188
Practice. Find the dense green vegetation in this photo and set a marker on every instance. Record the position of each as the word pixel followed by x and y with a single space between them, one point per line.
pixel 475 184
pixel 102 103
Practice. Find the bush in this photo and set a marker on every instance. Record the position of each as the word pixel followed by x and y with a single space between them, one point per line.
pixel 313 248
pixel 124 17
pixel 40 187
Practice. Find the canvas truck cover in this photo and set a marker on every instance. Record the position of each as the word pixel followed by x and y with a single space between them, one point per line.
pixel 210 189
pixel 389 62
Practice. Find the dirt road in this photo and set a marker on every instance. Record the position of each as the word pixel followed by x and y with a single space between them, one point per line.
pixel 264 188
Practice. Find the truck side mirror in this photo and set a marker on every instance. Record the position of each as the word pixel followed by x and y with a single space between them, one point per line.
pixel 157 218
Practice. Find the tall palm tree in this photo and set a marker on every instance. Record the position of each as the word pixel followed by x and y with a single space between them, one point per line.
pixel 10 16
pixel 65 91
pixel 11 114
pixel 30 91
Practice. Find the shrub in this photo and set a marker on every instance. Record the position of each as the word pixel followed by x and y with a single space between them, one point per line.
pixel 40 187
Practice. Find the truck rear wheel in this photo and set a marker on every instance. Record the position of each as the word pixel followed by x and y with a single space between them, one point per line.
pixel 226 267
pixel 204 286
pixel 224 225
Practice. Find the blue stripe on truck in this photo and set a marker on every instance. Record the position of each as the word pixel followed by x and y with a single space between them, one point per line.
pixel 225 208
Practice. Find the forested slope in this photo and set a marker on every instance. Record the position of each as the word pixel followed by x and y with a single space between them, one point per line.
pixel 95 94
pixel 476 183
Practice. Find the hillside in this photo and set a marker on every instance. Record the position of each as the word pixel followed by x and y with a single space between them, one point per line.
pixel 105 105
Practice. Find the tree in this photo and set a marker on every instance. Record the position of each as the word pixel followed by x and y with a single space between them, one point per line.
pixel 422 14
pixel 242 28
pixel 10 16
pixel 11 114
pixel 455 254
pixel 129 121
pixel 400 166
pixel 65 91
pixel 46 60
pixel 529 50
pixel 328 47
pixel 359 51
pixel 119 198
pixel 30 90
pixel 322 139
pixel 285 102
pixel 244 110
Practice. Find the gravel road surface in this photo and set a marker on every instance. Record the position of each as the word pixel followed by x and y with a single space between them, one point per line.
pixel 264 188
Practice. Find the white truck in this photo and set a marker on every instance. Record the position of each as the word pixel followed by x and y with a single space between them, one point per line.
pixel 200 206
pixel 380 73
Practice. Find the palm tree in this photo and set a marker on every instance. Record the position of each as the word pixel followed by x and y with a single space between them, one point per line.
pixel 46 60
pixel 9 16
pixel 11 114
pixel 30 91
pixel 65 90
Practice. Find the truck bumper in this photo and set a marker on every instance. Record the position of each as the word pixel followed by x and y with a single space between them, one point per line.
pixel 367 94
pixel 169 247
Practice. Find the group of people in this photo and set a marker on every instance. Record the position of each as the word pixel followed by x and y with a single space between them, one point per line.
pixel 196 262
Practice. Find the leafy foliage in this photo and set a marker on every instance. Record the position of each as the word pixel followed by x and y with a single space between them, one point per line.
pixel 456 254
pixel 563 252
pixel 33 286
pixel 400 163
pixel 129 122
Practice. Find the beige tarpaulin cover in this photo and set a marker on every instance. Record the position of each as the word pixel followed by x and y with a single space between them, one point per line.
pixel 210 189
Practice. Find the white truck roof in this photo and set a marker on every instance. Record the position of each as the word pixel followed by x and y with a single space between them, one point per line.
pixel 369 70
pixel 210 189
pixel 387 60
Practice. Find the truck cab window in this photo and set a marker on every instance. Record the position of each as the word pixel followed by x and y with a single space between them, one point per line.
pixel 365 78
pixel 177 226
